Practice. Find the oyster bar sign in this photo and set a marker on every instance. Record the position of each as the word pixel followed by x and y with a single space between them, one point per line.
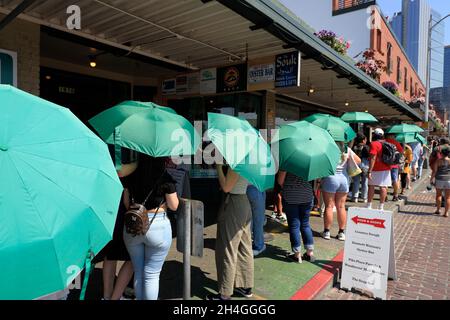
pixel 287 70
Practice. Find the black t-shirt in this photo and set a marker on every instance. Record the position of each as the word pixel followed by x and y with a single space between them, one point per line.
pixel 163 185
pixel 362 151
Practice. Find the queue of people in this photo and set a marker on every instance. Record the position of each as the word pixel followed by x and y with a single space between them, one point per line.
pixel 241 219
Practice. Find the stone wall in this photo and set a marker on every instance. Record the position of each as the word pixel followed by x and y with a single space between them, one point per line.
pixel 23 38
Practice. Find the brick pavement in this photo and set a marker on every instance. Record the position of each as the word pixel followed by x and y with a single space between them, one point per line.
pixel 422 243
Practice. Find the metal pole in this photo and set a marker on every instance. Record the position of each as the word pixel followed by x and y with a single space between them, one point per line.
pixel 427 100
pixel 187 251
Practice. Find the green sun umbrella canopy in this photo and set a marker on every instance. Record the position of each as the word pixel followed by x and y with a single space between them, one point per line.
pixel 336 127
pixel 358 117
pixel 243 148
pixel 406 137
pixel 405 128
pixel 421 139
pixel 307 151
pixel 59 195
pixel 148 128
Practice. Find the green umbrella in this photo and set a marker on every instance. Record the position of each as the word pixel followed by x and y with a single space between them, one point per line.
pixel 307 151
pixel 406 138
pixel 358 117
pixel 405 128
pixel 148 128
pixel 421 139
pixel 338 129
pixel 244 149
pixel 59 195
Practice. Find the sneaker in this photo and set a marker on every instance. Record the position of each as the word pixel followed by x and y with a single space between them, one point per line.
pixel 245 292
pixel 292 257
pixel 341 236
pixel 258 252
pixel 363 200
pixel 217 297
pixel 281 217
pixel 326 235
pixel 355 200
pixel 395 198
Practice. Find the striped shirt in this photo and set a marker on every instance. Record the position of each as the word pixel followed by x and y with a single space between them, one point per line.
pixel 296 190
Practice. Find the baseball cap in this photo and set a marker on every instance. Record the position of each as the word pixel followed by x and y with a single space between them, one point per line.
pixel 379 132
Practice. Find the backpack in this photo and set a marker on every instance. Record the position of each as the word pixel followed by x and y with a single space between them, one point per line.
pixel 137 222
pixel 389 154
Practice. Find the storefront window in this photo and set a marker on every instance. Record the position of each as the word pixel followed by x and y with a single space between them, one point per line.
pixel 286 113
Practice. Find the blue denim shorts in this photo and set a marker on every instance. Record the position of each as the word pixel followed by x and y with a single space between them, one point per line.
pixel 336 183
pixel 394 175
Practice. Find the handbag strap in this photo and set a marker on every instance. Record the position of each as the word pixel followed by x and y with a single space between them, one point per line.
pixel 156 212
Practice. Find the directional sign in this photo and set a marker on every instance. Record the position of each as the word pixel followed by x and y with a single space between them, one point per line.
pixel 369 251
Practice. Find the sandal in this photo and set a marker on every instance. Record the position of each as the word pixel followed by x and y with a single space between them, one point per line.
pixel 292 257
pixel 309 258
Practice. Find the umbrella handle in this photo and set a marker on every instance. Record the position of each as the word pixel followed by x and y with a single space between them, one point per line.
pixel 117 149
pixel 88 267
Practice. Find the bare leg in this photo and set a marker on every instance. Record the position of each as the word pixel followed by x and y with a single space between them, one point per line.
pixel 438 200
pixel 329 206
pixel 371 193
pixel 124 277
pixel 383 194
pixel 109 274
pixel 340 208
pixel 447 202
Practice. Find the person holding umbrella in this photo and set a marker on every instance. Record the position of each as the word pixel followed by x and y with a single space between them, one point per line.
pixel 335 189
pixel 149 251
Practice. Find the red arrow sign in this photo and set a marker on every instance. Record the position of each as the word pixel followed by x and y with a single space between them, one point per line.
pixel 377 223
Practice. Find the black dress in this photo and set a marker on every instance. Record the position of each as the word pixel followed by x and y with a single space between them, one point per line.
pixel 115 249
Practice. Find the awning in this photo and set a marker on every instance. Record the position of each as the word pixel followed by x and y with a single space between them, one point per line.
pixel 194 34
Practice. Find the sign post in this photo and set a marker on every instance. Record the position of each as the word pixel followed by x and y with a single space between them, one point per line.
pixel 369 257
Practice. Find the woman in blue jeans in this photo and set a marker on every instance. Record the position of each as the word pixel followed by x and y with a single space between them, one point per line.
pixel 258 204
pixel 149 251
pixel 298 198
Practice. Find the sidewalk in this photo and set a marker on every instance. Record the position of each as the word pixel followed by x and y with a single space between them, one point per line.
pixel 422 244
pixel 276 278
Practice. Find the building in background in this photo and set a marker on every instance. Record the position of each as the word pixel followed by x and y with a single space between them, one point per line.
pixel 447 66
pixel 411 28
pixel 369 29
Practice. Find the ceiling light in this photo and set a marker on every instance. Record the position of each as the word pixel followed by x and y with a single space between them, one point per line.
pixel 347 103
pixel 311 90
pixel 48 77
pixel 92 61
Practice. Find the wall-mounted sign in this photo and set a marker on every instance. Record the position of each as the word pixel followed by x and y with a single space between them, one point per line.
pixel 208 81
pixel 287 70
pixel 261 73
pixel 8 67
pixel 169 86
pixel 369 258
pixel 193 81
pixel 232 78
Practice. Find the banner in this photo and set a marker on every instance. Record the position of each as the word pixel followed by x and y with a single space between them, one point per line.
pixel 208 81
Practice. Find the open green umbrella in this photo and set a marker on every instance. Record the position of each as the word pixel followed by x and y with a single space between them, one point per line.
pixel 358 117
pixel 307 151
pixel 405 128
pixel 406 138
pixel 244 149
pixel 148 128
pixel 59 195
pixel 421 139
pixel 336 127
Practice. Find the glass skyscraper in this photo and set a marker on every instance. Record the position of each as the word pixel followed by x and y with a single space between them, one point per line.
pixel 411 27
pixel 447 67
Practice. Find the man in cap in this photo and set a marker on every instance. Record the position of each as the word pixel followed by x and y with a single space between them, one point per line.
pixel 379 172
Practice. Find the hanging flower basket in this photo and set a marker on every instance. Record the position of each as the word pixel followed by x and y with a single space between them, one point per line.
pixel 370 65
pixel 392 87
pixel 338 44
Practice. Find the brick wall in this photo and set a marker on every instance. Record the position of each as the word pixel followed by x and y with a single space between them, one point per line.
pixel 24 38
